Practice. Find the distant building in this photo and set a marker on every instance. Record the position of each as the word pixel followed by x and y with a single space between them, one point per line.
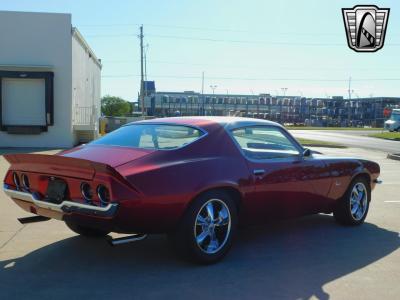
pixel 149 87
pixel 334 111
pixel 49 82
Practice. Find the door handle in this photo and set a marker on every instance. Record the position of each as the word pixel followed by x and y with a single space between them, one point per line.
pixel 258 172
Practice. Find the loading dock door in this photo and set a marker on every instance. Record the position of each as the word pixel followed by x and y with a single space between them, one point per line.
pixel 23 102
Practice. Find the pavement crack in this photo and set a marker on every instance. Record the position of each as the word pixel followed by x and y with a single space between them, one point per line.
pixel 12 237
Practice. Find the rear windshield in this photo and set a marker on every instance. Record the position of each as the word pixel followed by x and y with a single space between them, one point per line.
pixel 151 136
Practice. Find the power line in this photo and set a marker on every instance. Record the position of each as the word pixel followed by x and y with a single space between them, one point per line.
pixel 241 41
pixel 226 40
pixel 215 40
pixel 214 29
pixel 258 67
pixel 254 78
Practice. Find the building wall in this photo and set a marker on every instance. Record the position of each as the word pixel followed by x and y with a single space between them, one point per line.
pixel 86 89
pixel 334 111
pixel 31 40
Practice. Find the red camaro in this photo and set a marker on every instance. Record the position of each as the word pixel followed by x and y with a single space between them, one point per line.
pixel 194 178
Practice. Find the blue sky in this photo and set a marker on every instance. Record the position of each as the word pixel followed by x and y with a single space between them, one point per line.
pixel 242 46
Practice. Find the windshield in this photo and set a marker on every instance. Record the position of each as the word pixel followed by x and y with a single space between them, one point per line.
pixel 151 136
pixel 395 117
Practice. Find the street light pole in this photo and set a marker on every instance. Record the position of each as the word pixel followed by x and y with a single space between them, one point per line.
pixel 141 70
pixel 213 87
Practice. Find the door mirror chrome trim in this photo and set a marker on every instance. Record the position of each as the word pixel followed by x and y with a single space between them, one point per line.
pixel 259 172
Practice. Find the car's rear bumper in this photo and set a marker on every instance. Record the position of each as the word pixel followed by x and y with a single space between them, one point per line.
pixel 126 216
pixel 32 203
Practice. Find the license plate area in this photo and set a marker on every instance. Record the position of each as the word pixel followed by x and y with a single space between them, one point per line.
pixel 56 190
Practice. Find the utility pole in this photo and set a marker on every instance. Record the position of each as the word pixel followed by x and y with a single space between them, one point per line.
pixel 141 71
pixel 145 68
pixel 284 91
pixel 145 62
pixel 349 107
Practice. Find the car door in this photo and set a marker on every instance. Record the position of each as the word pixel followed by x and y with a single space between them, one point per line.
pixel 285 182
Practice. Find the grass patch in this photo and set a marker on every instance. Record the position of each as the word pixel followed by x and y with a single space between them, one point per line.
pixel 394 136
pixel 315 143
pixel 330 128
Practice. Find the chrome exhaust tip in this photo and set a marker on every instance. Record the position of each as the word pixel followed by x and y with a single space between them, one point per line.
pixel 33 219
pixel 126 239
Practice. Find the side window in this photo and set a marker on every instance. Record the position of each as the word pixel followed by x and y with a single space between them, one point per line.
pixel 264 142
pixel 167 136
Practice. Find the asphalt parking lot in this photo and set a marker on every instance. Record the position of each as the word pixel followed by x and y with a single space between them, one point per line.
pixel 311 257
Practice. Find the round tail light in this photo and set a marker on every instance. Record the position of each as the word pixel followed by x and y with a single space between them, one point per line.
pixel 103 194
pixel 86 191
pixel 16 180
pixel 25 181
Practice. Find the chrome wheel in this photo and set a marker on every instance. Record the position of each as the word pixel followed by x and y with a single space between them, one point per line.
pixel 358 201
pixel 213 225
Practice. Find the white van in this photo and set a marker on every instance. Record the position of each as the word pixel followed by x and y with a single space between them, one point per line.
pixel 393 124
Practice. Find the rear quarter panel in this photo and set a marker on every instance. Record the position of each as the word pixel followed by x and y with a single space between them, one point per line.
pixel 169 180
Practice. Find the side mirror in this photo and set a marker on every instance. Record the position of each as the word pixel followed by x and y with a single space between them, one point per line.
pixel 306 152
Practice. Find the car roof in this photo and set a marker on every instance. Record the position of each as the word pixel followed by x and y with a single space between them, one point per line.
pixel 204 121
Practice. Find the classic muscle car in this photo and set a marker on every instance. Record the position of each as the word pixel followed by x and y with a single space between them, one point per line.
pixel 193 178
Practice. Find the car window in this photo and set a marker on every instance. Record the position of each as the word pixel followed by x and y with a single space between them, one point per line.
pixel 151 136
pixel 264 142
pixel 395 116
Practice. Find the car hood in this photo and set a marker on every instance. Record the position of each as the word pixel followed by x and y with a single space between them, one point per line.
pixel 113 156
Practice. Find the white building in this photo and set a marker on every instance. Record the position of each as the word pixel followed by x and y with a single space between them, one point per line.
pixel 49 82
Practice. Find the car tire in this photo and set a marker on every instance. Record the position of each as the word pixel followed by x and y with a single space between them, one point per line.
pixel 86 231
pixel 202 239
pixel 352 208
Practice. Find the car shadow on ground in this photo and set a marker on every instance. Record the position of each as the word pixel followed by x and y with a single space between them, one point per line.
pixel 287 260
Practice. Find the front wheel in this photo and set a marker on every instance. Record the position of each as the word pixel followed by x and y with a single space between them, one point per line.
pixel 352 209
pixel 207 229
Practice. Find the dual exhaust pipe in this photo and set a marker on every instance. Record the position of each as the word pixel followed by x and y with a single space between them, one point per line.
pixel 110 240
pixel 126 239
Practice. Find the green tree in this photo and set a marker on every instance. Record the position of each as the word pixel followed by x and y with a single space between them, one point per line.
pixel 114 106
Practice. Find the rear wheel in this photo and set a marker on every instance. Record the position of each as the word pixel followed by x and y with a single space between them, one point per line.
pixel 207 230
pixel 86 231
pixel 352 209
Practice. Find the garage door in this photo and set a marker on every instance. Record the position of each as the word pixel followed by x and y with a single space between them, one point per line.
pixel 23 101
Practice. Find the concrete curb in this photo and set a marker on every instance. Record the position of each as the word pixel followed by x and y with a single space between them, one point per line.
pixel 394 156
